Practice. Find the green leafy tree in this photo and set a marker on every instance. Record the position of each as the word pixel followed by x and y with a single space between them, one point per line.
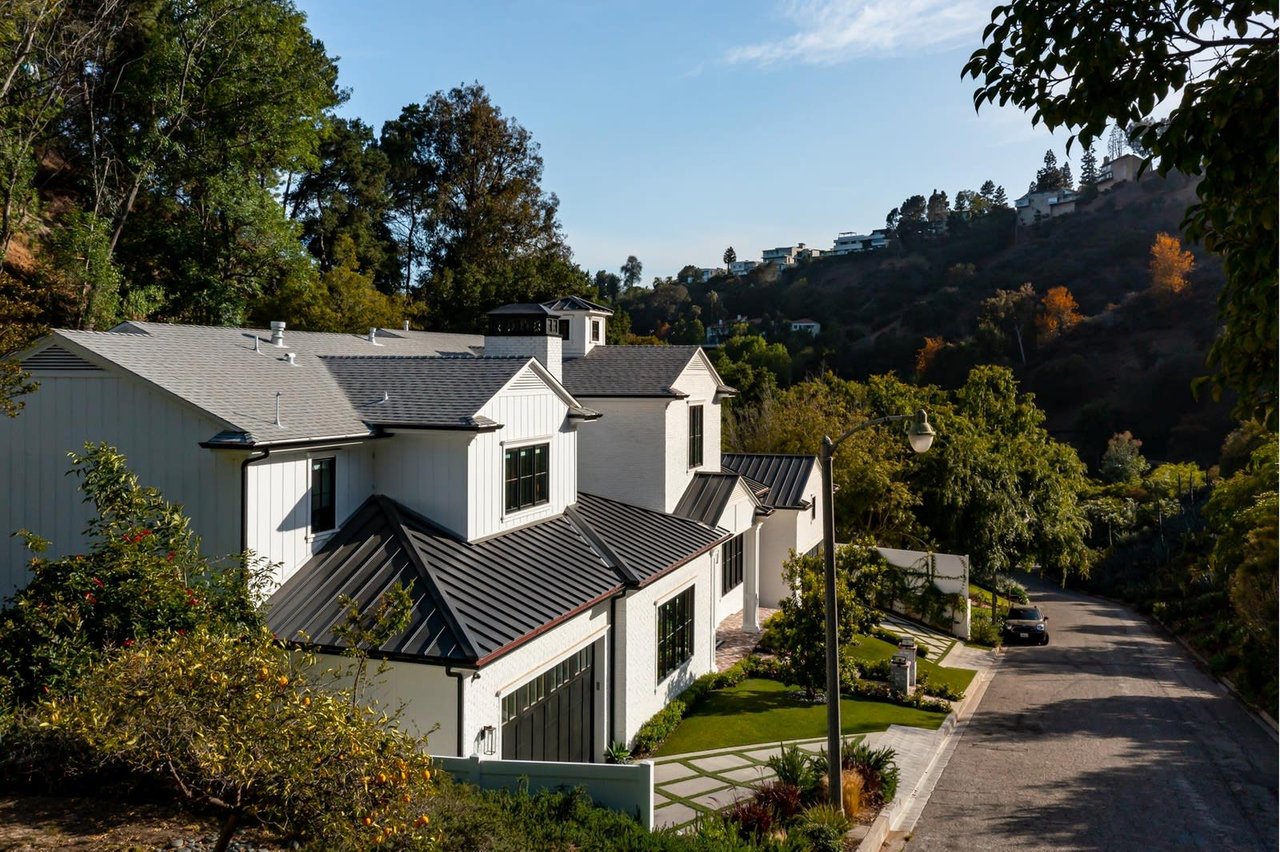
pixel 1084 66
pixel 798 632
pixel 1123 460
pixel 608 285
pixel 937 208
pixel 19 327
pixel 752 365
pixel 1088 169
pixel 143 575
pixel 1049 177
pixel 471 181
pixel 346 195
pixel 1000 201
pixel 631 272
pixel 730 256
pixel 1008 316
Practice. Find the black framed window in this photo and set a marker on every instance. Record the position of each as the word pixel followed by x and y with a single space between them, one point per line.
pixel 595 331
pixel 526 478
pixel 731 564
pixel 323 495
pixel 695 435
pixel 675 632
pixel 564 329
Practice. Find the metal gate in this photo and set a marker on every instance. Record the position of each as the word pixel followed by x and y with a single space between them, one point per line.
pixel 552 717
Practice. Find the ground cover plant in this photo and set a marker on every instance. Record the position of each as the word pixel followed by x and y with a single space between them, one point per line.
pixel 871 650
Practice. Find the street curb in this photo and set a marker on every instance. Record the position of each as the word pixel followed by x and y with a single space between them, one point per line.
pixel 890 817
pixel 1201 663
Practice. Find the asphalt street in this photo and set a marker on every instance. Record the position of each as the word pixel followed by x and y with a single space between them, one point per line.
pixel 1107 738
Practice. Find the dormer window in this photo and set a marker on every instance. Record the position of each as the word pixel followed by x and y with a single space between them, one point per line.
pixel 695 436
pixel 564 329
pixel 527 481
pixel 595 331
pixel 323 501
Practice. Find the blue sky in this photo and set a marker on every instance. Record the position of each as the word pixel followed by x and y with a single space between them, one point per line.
pixel 673 130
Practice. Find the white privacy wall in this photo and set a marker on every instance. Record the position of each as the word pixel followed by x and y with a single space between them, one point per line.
pixel 279 502
pixel 640 694
pixel 158 434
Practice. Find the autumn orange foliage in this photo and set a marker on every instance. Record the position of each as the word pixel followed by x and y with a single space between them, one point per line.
pixel 1058 311
pixel 925 354
pixel 1170 264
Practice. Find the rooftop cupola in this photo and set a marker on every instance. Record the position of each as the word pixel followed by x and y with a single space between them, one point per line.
pixel 528 330
pixel 582 324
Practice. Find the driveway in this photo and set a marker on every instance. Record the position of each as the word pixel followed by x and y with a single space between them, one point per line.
pixel 1108 738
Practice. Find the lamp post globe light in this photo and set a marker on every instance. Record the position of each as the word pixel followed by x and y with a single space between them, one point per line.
pixel 920 435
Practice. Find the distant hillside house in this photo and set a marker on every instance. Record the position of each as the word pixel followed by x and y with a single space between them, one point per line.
pixel 1122 168
pixel 742 267
pixel 571 535
pixel 781 257
pixel 848 242
pixel 705 274
pixel 1042 205
pixel 806 326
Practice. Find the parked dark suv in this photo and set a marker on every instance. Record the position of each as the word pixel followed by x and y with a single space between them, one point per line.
pixel 1026 624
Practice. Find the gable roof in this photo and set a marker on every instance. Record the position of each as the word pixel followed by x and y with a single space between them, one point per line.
pixel 784 475
pixel 706 496
pixel 218 371
pixel 473 601
pixel 388 390
pixel 576 303
pixel 634 371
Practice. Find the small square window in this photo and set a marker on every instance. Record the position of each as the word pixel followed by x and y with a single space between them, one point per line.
pixel 527 476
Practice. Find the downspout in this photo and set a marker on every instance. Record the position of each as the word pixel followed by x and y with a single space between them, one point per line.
pixel 459 676
pixel 611 711
pixel 244 495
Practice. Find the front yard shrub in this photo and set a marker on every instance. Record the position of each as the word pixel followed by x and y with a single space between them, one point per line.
pixel 877 766
pixel 143 575
pixel 754 820
pixel 982 630
pixel 823 828
pixel 233 723
pixel 784 799
pixel 794 768
pixel 939 689
pixel 664 723
pixel 1011 589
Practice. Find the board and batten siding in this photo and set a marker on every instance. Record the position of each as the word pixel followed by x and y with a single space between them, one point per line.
pixel 427 472
pixel 700 385
pixel 159 435
pixel 530 413
pixel 279 502
pixel 620 454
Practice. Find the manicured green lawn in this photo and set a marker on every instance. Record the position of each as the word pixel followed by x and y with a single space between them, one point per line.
pixel 871 649
pixel 763 711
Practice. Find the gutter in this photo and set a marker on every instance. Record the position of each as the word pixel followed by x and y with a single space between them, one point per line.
pixel 244 496
pixel 459 676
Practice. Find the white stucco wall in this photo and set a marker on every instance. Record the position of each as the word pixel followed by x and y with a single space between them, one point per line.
pixel 640 694
pixel 787 530
pixel 737 518
pixel 619 456
pixel 159 436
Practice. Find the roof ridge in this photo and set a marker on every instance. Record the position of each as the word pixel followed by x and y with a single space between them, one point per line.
pixel 617 563
pixel 392 509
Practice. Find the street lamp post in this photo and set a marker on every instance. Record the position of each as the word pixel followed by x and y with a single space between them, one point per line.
pixel 920 435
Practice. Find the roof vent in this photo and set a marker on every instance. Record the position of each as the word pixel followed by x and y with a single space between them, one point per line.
pixel 277 333
pixel 373 336
pixel 291 357
pixel 406 325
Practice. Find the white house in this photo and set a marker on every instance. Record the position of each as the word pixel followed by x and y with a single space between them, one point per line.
pixel 1043 205
pixel 559 508
pixel 781 257
pixel 1122 168
pixel 848 242
pixel 806 326
pixel 742 267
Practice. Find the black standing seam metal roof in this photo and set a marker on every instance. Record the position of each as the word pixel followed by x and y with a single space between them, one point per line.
pixel 474 601
pixel 785 475
pixel 706 496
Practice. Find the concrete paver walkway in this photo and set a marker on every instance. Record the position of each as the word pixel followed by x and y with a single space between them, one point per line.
pixel 689 785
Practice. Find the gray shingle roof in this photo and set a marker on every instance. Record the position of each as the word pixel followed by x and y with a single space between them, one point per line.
pixel 217 370
pixel 785 475
pixel 474 601
pixel 445 393
pixel 707 495
pixel 627 370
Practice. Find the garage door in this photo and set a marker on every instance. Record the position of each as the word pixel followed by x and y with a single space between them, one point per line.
pixel 552 717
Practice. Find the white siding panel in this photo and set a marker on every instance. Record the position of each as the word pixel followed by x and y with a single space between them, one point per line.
pixel 737 518
pixel 427 471
pixel 160 437
pixel 621 454
pixel 698 383
pixel 428 694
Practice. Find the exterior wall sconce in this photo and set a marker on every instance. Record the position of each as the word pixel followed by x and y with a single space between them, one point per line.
pixel 488 739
